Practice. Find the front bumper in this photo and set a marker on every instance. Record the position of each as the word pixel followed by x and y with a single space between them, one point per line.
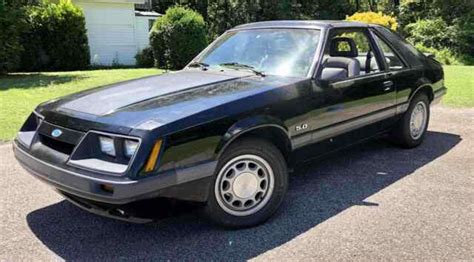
pixel 125 190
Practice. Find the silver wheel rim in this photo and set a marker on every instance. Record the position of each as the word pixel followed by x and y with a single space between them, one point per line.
pixel 244 185
pixel 418 120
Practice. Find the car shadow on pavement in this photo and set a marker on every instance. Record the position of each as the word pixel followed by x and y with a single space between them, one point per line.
pixel 317 192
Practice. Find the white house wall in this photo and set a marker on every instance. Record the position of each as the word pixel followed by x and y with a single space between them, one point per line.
pixel 111 32
pixel 142 26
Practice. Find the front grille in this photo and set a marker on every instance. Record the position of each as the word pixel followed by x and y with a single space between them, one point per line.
pixel 64 143
pixel 57 145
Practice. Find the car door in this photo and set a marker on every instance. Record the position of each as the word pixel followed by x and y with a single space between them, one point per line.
pixel 352 101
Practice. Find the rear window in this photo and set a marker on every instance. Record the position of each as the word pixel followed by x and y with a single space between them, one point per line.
pixel 409 52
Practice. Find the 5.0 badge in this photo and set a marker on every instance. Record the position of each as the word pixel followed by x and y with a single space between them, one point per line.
pixel 301 127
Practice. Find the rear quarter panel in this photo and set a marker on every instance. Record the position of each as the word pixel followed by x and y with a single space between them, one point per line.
pixel 423 72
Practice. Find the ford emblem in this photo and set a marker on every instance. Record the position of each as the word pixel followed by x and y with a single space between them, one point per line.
pixel 56 133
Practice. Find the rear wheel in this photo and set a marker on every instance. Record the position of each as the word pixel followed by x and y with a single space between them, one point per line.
pixel 411 129
pixel 250 184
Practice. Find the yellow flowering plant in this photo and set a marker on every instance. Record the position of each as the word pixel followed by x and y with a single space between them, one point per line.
pixel 374 18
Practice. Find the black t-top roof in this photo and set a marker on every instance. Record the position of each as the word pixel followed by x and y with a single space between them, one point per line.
pixel 309 24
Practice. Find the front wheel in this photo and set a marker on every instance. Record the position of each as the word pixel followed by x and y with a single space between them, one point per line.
pixel 411 129
pixel 250 184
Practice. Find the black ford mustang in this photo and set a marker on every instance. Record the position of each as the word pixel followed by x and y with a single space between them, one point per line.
pixel 223 130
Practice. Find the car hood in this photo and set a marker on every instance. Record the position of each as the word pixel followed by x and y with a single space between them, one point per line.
pixel 152 102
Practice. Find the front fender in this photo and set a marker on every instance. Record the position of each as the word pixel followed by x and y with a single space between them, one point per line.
pixel 250 124
pixel 206 143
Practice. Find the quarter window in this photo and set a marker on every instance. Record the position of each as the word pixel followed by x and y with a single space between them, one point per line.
pixel 393 60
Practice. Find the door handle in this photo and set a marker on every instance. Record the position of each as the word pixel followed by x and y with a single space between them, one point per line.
pixel 387 85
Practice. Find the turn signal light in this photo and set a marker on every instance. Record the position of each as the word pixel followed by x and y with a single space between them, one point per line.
pixel 153 158
pixel 107 188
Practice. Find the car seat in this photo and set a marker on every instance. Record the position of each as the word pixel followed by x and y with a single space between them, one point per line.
pixel 342 63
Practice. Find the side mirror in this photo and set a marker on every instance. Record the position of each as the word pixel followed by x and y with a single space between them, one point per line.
pixel 319 81
pixel 322 82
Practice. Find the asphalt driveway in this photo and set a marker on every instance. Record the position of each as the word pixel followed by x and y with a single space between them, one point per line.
pixel 374 201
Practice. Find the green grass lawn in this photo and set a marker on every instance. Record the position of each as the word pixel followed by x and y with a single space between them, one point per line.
pixel 21 93
pixel 460 83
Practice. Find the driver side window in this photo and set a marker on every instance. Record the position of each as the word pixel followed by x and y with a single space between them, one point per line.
pixel 348 54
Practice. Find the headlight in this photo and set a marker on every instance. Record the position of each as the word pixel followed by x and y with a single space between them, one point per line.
pixel 130 147
pixel 104 152
pixel 107 145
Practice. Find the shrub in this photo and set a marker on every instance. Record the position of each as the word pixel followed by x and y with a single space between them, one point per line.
pixel 145 58
pixel 177 37
pixel 433 33
pixel 375 18
pixel 411 11
pixel 33 57
pixel 444 56
pixel 450 25
pixel 56 38
pixel 465 37
pixel 11 24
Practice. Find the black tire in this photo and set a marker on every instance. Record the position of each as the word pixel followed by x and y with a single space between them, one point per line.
pixel 241 149
pixel 401 134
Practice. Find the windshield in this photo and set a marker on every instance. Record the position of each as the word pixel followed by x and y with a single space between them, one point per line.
pixel 285 52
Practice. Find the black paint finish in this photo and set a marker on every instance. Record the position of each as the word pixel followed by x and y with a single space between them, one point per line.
pixel 198 113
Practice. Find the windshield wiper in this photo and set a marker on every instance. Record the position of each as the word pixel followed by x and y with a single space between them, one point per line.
pixel 244 66
pixel 198 64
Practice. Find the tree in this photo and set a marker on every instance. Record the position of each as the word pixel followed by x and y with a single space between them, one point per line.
pixel 161 6
pixel 322 9
pixel 225 14
pixel 385 6
pixel 279 10
pixel 20 2
pixel 11 24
